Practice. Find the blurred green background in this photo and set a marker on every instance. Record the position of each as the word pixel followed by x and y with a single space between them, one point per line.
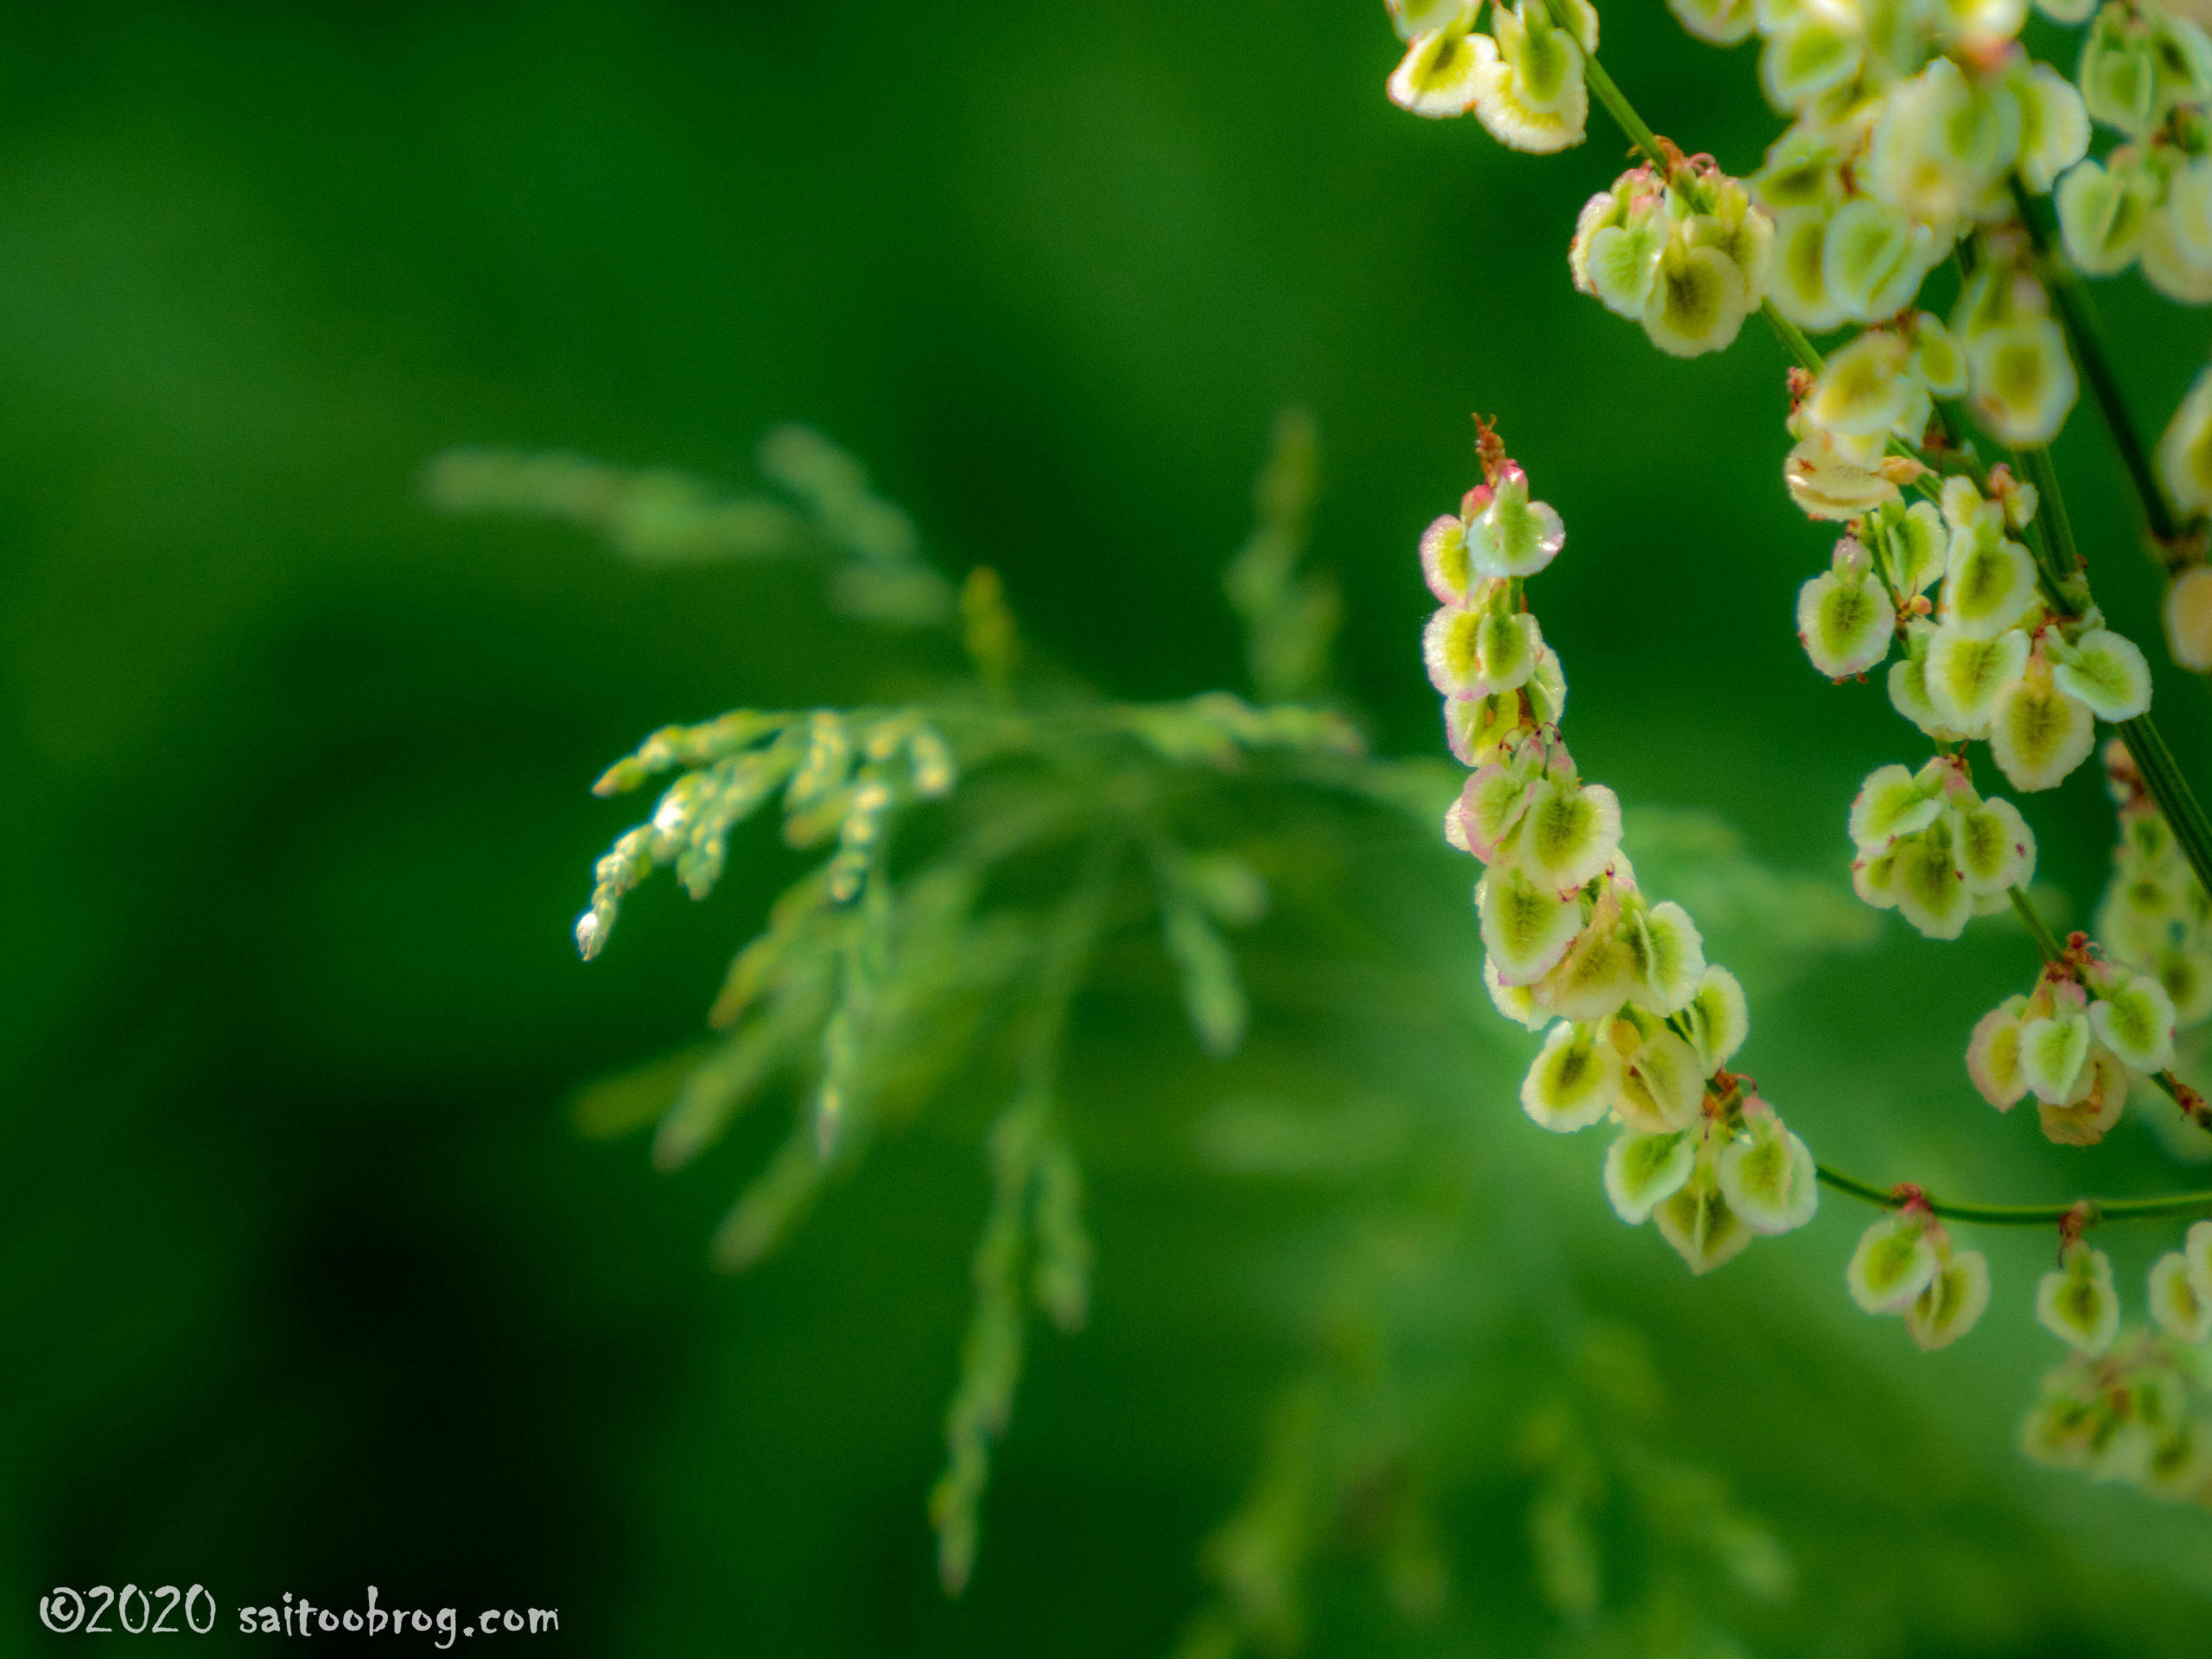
pixel 305 1279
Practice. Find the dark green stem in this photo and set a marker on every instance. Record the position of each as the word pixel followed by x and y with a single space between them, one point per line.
pixel 2023 1215
pixel 2046 941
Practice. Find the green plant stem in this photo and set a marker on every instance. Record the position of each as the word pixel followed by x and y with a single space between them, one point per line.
pixel 2077 316
pixel 2024 1214
pixel 2046 941
pixel 2059 562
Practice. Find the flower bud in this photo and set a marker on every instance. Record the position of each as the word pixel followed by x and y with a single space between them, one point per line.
pixel 2076 1303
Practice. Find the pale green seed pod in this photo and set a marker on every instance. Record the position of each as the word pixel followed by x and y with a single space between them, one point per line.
pixel 2177 250
pixel 1643 1170
pixel 1990 582
pixel 1724 22
pixel 1894 1262
pixel 1941 144
pixel 1939 362
pixel 2105 671
pixel 1799 284
pixel 1480 652
pixel 1719 1019
pixel 1533 97
pixel 1993 1054
pixel 1662 1084
pixel 1622 264
pixel 1952 1304
pixel 1926 883
pixel 1571 832
pixel 1516 1002
pixel 1513 536
pixel 2174 1301
pixel 1526 928
pixel 2186 451
pixel 1873 259
pixel 1845 623
pixel 1964 675
pixel 2038 733
pixel 1908 687
pixel 1575 1080
pixel 2196 1249
pixel 1415 18
pixel 2054 125
pixel 2024 381
pixel 1445 561
pixel 1595 978
pixel 1890 804
pixel 1817 51
pixel 2101 1094
pixel 2054 1055
pixel 2076 1303
pixel 2118 74
pixel 2187 614
pixel 1440 74
pixel 1995 849
pixel 1768 1178
pixel 2101 216
pixel 1699 302
pixel 1489 813
pixel 1827 484
pixel 1670 959
pixel 2137 1024
pixel 1864 390
pixel 1803 169
pixel 1698 1223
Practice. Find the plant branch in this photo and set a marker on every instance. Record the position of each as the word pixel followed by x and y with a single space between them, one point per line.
pixel 2023 1215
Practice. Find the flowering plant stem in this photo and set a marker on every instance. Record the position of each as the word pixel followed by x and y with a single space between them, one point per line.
pixel 2023 1215
pixel 2056 558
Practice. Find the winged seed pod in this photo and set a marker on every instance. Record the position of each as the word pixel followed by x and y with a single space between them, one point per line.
pixel 2174 1302
pixel 2076 1303
pixel 2186 465
pixel 1686 257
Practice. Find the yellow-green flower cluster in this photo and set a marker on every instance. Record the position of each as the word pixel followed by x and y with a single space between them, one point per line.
pixel 1905 1264
pixel 2074 1043
pixel 1523 80
pixel 2136 1407
pixel 2147 73
pixel 1638 1027
pixel 1932 850
pixel 1686 257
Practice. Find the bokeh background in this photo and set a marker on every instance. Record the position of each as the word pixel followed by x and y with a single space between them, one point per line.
pixel 306 1277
